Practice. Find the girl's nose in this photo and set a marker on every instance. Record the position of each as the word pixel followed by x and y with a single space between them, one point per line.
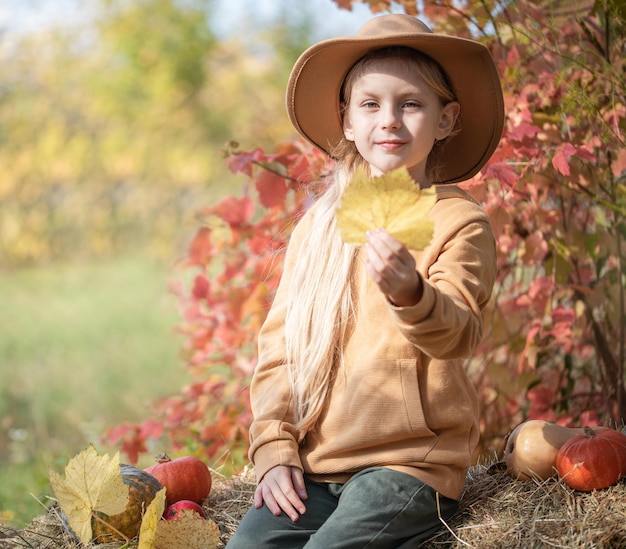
pixel 391 119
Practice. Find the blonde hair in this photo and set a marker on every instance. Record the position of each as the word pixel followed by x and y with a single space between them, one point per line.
pixel 320 314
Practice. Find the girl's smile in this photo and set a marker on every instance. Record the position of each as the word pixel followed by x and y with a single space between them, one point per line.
pixel 391 145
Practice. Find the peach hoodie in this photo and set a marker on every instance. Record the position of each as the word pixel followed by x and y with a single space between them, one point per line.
pixel 404 400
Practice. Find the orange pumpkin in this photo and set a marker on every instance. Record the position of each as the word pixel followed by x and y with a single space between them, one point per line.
pixel 184 478
pixel 593 460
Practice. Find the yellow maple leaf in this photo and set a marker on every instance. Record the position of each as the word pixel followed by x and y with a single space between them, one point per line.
pixel 150 521
pixel 393 202
pixel 91 483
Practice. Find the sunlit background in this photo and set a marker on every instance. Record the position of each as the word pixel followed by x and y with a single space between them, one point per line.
pixel 226 17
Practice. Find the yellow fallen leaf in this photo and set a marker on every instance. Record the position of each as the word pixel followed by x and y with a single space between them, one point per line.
pixel 92 483
pixel 189 530
pixel 150 521
pixel 393 202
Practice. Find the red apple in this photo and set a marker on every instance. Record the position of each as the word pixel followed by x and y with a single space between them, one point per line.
pixel 174 510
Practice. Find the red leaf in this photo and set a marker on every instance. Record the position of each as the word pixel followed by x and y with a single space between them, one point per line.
pixel 193 313
pixel 512 57
pixel 560 160
pixel 541 400
pixel 586 153
pixel 258 244
pixel 523 131
pixel 114 434
pixel 210 387
pixel 563 315
pixel 201 247
pixel 501 172
pixel 272 189
pixel 132 448
pixel 540 289
pixel 300 169
pixel 561 330
pixel 288 148
pixel 234 211
pixel 241 162
pixel 151 428
pixel 201 287
pixel 133 439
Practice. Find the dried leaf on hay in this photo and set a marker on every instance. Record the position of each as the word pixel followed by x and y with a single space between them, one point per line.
pixel 189 530
pixel 91 483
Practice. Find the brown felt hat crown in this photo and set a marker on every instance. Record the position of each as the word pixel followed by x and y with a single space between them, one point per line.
pixel 313 91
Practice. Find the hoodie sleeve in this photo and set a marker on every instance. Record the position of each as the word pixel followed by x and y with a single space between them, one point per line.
pixel 458 271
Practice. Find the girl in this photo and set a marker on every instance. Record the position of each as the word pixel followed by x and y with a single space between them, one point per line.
pixel 365 422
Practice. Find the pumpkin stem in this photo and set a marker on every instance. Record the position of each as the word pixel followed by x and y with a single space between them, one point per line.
pixel 589 432
pixel 162 458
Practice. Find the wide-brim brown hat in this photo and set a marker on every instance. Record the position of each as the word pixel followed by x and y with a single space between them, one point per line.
pixel 313 91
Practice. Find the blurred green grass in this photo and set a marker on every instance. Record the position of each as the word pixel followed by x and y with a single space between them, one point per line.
pixel 82 348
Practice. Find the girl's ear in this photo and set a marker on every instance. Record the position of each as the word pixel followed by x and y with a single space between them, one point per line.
pixel 447 120
pixel 348 131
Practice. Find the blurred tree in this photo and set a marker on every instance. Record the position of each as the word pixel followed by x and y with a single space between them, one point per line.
pixel 112 134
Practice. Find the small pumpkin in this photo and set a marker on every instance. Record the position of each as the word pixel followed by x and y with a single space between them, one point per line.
pixel 185 477
pixel 531 448
pixel 142 487
pixel 593 460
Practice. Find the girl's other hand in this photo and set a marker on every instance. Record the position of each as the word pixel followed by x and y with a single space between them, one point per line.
pixel 282 489
pixel 392 268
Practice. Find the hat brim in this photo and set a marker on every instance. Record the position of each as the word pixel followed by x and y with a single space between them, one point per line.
pixel 313 94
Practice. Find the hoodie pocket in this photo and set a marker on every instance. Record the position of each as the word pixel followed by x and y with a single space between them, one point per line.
pixel 412 398
pixel 377 408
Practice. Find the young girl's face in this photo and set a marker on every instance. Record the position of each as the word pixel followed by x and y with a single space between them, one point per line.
pixel 394 118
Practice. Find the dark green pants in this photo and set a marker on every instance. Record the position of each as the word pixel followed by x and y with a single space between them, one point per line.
pixel 376 508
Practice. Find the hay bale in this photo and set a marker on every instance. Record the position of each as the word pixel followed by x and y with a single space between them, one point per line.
pixel 498 512
pixel 495 512
pixel 229 501
pixel 44 532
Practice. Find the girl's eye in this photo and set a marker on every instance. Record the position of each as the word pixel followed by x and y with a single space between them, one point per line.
pixel 370 104
pixel 412 105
